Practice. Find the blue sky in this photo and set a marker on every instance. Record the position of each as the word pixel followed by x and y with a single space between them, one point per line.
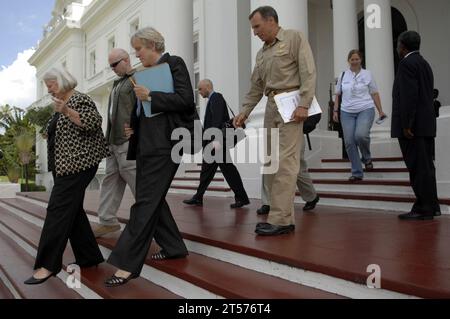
pixel 21 24
pixel 21 27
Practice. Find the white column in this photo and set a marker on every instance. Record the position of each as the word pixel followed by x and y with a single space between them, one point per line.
pixel 379 51
pixel 174 19
pixel 226 49
pixel 345 32
pixel 292 14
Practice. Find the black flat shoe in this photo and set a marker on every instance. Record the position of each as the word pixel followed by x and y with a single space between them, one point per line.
pixel 263 225
pixel 275 230
pixel 193 202
pixel 264 210
pixel 311 205
pixel 35 281
pixel 115 281
pixel 267 226
pixel 369 166
pixel 240 204
pixel 415 216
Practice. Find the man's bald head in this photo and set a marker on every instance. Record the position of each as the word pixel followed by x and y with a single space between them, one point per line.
pixel 119 60
pixel 205 87
pixel 118 53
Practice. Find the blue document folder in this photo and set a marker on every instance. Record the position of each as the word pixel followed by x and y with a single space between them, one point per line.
pixel 157 79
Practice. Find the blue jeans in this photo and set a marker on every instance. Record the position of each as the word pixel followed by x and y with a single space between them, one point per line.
pixel 356 128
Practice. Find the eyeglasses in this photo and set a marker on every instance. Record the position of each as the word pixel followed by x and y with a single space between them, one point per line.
pixel 113 65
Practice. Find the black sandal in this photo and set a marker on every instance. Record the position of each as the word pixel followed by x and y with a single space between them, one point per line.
pixel 115 281
pixel 162 255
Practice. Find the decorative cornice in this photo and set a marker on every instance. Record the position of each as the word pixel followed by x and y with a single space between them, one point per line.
pixel 47 44
pixel 96 8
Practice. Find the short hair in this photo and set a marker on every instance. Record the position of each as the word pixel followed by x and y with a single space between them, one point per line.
pixel 352 52
pixel 65 80
pixel 208 82
pixel 150 36
pixel 120 52
pixel 410 40
pixel 266 12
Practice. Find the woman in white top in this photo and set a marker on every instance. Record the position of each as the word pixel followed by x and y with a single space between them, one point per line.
pixel 360 96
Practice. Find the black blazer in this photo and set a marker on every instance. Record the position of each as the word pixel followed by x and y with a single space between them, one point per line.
pixel 413 98
pixel 153 135
pixel 216 114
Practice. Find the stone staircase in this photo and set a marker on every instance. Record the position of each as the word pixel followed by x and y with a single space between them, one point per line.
pixel 199 276
pixel 386 188
pixel 326 258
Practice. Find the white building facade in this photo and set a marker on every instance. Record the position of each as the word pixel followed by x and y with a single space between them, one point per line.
pixel 215 39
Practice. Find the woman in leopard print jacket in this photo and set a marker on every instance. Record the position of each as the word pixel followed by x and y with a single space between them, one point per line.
pixel 76 147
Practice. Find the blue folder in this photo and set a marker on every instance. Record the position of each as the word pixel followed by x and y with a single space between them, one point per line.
pixel 157 79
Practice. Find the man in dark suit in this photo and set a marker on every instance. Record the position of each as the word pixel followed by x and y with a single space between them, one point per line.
pixel 414 124
pixel 151 146
pixel 216 114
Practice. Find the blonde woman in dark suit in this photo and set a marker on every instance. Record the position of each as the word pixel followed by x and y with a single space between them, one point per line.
pixel 151 146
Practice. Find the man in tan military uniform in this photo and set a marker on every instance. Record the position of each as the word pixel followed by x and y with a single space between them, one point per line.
pixel 284 64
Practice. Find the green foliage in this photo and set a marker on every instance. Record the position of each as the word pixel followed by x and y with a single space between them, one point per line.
pixel 13 172
pixel 32 188
pixel 17 142
pixel 25 142
pixel 40 117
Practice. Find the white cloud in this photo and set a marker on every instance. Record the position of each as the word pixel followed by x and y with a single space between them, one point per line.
pixel 18 82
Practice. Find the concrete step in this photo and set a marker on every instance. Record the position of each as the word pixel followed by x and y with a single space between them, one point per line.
pixel 304 256
pixel 386 187
pixel 342 174
pixel 380 163
pixel 190 191
pixel 189 183
pixel 17 265
pixel 219 277
pixel 7 290
pixel 92 278
pixel 382 202
pixel 193 183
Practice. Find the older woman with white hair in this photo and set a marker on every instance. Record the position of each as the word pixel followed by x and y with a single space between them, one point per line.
pixel 77 145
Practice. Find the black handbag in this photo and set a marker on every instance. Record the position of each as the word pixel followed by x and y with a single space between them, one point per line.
pixel 311 122
pixel 339 124
pixel 238 133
